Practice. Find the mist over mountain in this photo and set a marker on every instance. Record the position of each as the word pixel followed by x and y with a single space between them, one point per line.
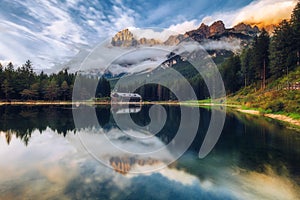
pixel 219 41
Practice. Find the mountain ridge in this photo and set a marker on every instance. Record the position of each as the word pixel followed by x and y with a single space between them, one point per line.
pixel 217 30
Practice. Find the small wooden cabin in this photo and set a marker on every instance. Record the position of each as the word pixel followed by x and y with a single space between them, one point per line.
pixel 125 97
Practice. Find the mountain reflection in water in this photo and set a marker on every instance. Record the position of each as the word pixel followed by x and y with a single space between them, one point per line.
pixel 43 158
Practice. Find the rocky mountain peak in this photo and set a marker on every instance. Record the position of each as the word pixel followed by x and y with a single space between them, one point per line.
pixel 201 33
pixel 242 27
pixel 216 31
pixel 217 27
pixel 175 39
pixel 150 42
pixel 203 26
pixel 124 38
pixel 205 31
pixel 245 28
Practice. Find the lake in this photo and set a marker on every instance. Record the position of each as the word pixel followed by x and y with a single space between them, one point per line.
pixel 45 155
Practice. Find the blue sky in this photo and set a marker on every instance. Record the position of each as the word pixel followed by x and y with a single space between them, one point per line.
pixel 50 32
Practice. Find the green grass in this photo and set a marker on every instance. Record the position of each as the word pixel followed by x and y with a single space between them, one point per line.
pixel 274 99
pixel 293 115
pixel 204 101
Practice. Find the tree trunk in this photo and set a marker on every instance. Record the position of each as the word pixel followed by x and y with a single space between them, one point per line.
pixel 264 75
pixel 298 56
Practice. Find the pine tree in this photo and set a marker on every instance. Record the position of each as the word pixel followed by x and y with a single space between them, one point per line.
pixel 1 80
pixel 7 89
pixel 103 88
pixel 64 89
pixel 281 48
pixel 262 49
pixel 295 25
pixel 247 70
pixel 28 66
pixel 52 90
pixel 10 67
pixel 231 74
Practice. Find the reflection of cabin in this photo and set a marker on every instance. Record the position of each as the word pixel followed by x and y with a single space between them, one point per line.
pixel 124 109
pixel 125 97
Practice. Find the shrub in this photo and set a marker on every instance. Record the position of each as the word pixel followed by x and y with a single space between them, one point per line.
pixel 275 106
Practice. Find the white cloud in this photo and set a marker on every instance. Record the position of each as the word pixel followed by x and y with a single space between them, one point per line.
pixel 223 44
pixel 185 26
pixel 52 38
pixel 124 18
pixel 19 43
pixel 72 3
pixel 260 12
pixel 59 24
pixel 49 34
pixel 159 34
pixel 164 34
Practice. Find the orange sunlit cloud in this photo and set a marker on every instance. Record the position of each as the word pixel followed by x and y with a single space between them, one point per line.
pixel 266 12
pixel 262 13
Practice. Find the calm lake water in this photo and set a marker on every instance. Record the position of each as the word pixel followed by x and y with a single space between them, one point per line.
pixel 43 156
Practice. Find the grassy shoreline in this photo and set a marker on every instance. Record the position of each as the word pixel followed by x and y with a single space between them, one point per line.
pixel 279 117
pixel 284 117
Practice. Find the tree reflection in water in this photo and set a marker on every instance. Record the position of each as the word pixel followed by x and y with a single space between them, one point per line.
pixel 21 121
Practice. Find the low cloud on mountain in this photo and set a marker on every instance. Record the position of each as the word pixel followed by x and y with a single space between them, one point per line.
pixel 233 45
